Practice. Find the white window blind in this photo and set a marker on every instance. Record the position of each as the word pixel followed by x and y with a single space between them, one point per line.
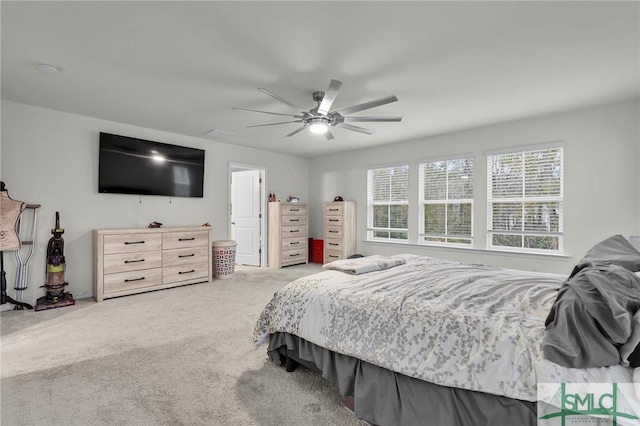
pixel 525 200
pixel 388 203
pixel 446 201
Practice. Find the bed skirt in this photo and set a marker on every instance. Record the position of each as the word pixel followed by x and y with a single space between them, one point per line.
pixel 385 398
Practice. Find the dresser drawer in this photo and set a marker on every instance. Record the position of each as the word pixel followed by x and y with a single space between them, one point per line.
pixel 333 244
pixel 294 220
pixel 294 243
pixel 294 231
pixel 174 274
pixel 122 262
pixel 330 256
pixel 333 231
pixel 333 209
pixel 333 220
pixel 294 256
pixel 174 240
pixel 128 243
pixel 132 279
pixel 185 256
pixel 289 210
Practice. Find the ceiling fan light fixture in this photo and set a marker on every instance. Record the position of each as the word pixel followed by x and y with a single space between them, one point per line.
pixel 318 127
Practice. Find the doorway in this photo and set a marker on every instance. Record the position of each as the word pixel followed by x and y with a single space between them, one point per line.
pixel 247 213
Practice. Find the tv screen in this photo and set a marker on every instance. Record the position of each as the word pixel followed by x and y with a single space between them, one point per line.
pixel 137 166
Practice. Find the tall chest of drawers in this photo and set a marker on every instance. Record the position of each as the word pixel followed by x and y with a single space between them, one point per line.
pixel 339 230
pixel 288 231
pixel 129 261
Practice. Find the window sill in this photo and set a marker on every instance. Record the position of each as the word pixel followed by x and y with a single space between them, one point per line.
pixel 497 252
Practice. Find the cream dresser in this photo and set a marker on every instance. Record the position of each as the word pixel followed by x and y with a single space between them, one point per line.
pixel 288 230
pixel 339 230
pixel 128 261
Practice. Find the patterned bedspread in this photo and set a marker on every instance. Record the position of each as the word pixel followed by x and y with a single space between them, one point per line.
pixel 475 327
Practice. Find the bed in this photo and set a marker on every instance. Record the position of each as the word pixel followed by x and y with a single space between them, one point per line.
pixel 416 340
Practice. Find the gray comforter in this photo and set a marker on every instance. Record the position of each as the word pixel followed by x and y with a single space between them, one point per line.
pixel 592 315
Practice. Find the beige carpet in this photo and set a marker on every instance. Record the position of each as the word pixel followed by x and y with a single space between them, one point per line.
pixel 182 356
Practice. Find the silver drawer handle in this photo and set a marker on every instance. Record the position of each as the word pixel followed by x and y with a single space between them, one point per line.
pixel 186 255
pixel 134 279
pixel 186 272
pixel 133 261
pixel 133 242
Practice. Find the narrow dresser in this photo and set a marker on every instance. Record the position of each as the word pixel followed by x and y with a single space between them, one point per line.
pixel 129 261
pixel 288 230
pixel 339 230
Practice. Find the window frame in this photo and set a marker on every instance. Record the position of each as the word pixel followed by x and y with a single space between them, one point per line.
pixel 446 201
pixel 524 199
pixel 371 204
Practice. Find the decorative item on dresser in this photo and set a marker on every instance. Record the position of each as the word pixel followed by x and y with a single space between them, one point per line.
pixel 129 261
pixel 288 242
pixel 339 230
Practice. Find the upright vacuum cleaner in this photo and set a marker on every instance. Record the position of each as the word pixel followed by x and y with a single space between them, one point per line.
pixel 55 296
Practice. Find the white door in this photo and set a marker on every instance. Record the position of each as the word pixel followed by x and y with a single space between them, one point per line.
pixel 245 216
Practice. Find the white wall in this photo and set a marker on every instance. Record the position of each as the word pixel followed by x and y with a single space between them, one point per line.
pixel 602 180
pixel 51 158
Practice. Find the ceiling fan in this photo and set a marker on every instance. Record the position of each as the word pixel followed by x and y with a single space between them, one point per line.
pixel 320 118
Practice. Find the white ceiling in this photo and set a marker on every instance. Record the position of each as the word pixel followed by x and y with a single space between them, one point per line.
pixel 181 66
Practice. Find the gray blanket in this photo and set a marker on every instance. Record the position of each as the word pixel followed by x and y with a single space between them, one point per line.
pixel 592 315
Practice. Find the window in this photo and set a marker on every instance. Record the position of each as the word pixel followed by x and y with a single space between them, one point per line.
pixel 446 201
pixel 525 196
pixel 388 203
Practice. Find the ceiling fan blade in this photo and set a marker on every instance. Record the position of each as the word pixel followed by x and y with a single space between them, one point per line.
pixel 372 119
pixel 280 98
pixel 264 112
pixel 298 130
pixel 356 128
pixel 367 105
pixel 328 135
pixel 329 96
pixel 273 124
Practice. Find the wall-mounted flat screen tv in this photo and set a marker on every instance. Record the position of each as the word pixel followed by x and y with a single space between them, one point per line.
pixel 137 166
